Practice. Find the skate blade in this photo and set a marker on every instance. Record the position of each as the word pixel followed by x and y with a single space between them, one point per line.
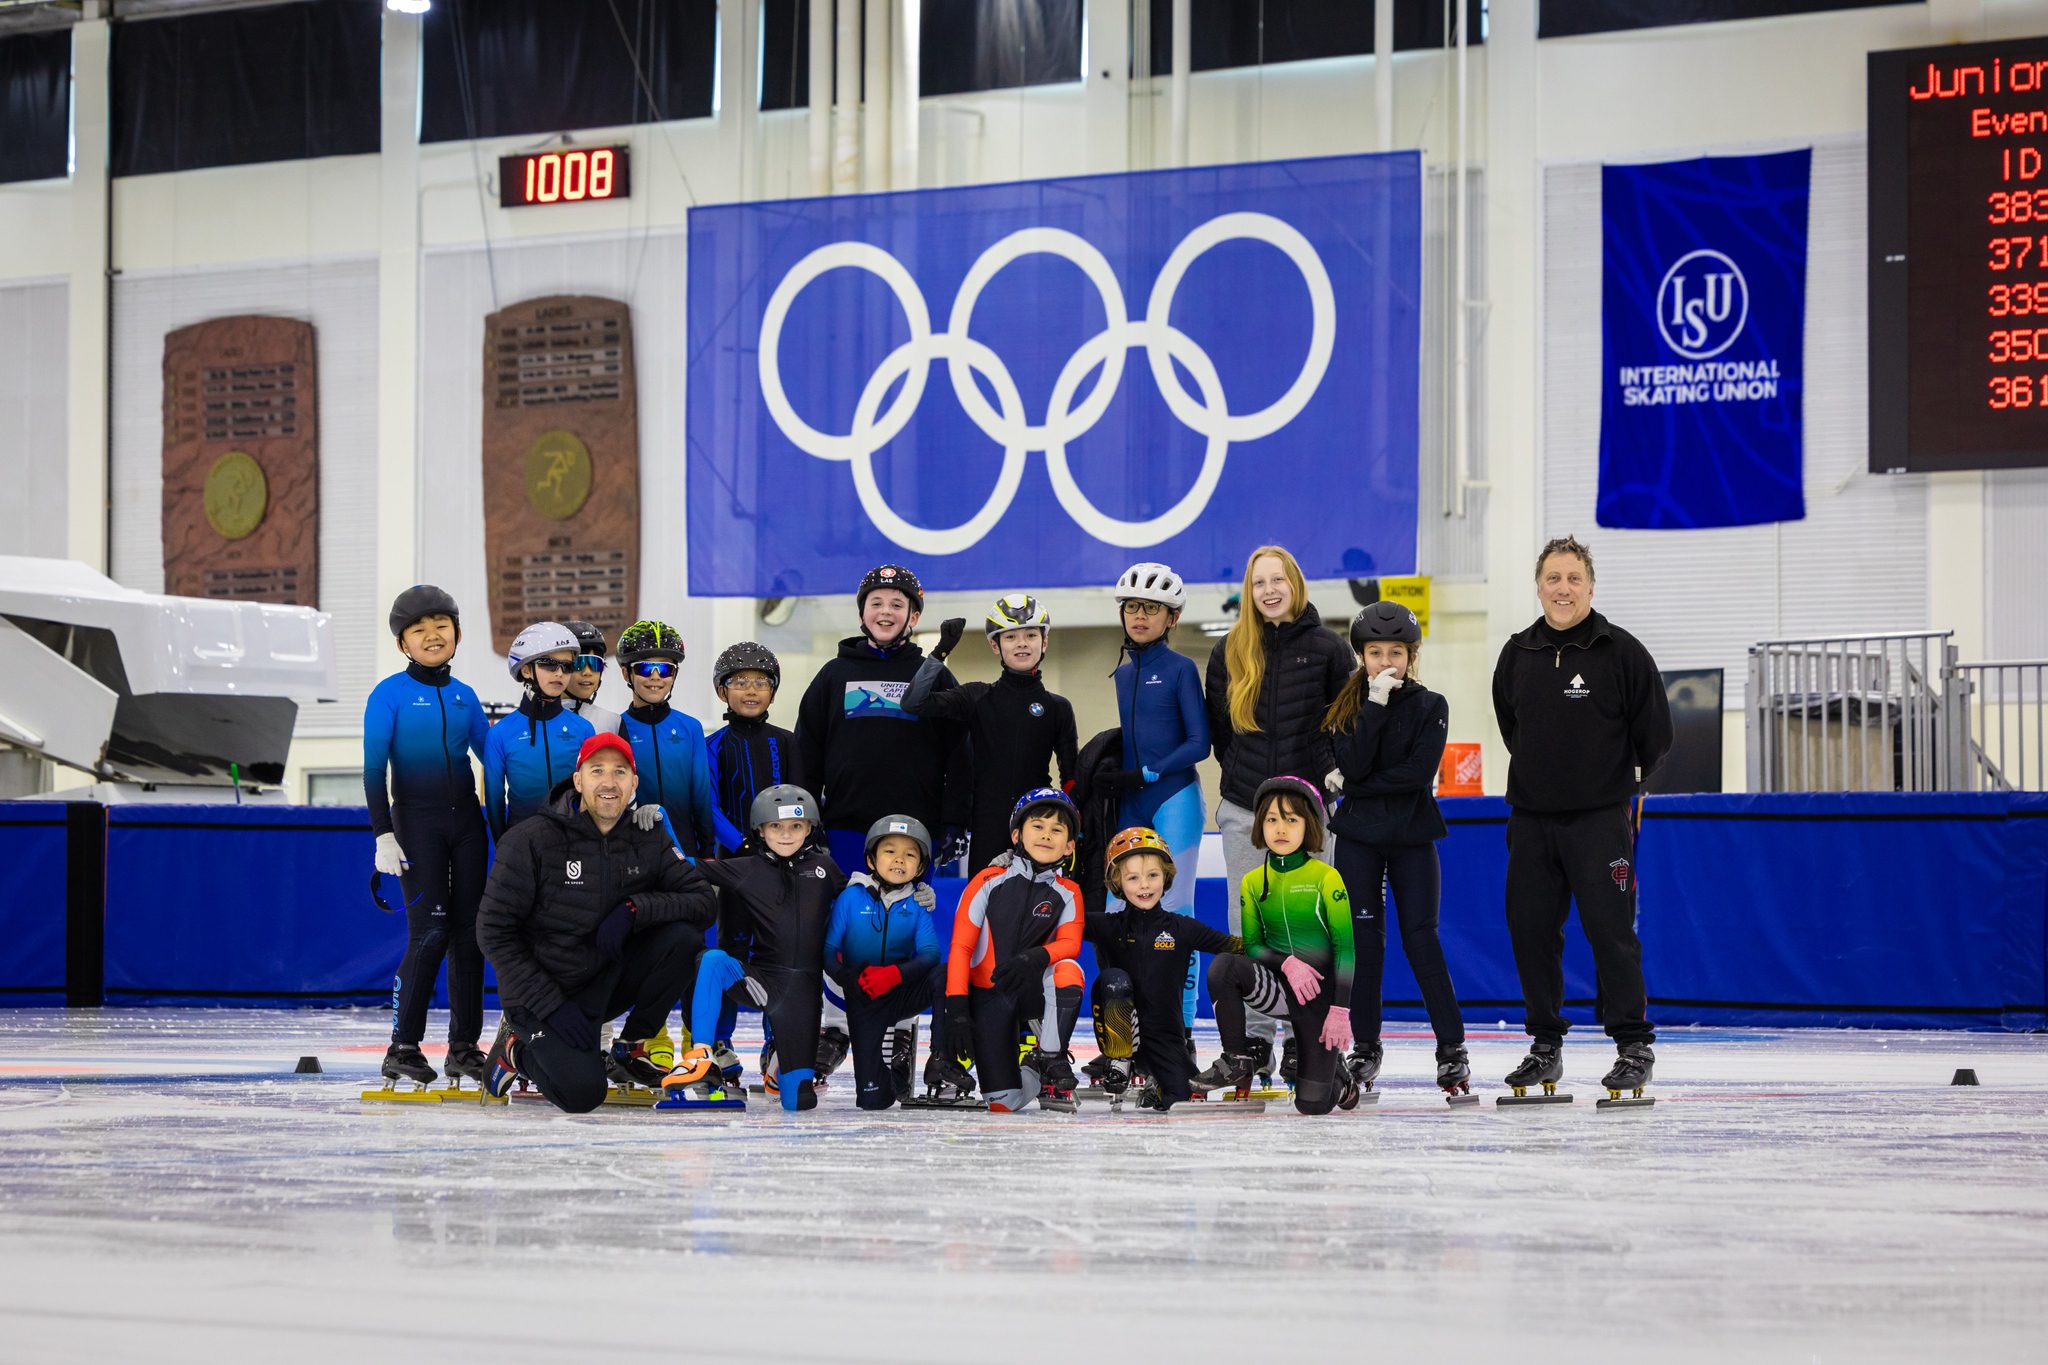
pixel 1462 1099
pixel 966 1104
pixel 1053 1106
pixel 1247 1109
pixel 1505 1100
pixel 691 1102
pixel 632 1097
pixel 391 1094
pixel 1266 1093
pixel 1626 1102
pixel 1094 1094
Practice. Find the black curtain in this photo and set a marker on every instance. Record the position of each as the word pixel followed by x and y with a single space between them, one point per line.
pixel 1228 33
pixel 1571 18
pixel 231 88
pixel 997 44
pixel 786 54
pixel 35 106
pixel 495 68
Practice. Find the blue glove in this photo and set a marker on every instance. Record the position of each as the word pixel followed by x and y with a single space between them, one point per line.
pixel 612 930
pixel 952 846
pixel 573 1027
pixel 1150 776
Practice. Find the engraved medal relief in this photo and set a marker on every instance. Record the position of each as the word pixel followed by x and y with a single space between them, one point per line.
pixel 241 461
pixel 561 465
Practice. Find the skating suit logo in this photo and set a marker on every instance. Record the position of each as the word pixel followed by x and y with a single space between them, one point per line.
pixel 876 699
pixel 1577 688
pixel 984 386
pixel 1702 305
pixel 1042 910
pixel 1618 869
pixel 574 871
pixel 1164 943
pixel 1038 708
pixel 818 872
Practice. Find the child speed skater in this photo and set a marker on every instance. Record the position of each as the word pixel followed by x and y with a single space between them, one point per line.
pixel 529 751
pixel 1143 955
pixel 1012 983
pixel 1296 963
pixel 747 753
pixel 420 726
pixel 1018 729
pixel 668 745
pixel 883 951
pixel 778 896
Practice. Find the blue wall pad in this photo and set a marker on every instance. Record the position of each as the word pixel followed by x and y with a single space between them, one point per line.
pixel 32 848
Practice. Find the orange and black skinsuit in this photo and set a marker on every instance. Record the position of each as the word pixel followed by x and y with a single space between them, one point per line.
pixel 1011 968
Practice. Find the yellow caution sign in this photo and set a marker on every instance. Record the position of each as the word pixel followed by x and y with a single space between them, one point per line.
pixel 1412 593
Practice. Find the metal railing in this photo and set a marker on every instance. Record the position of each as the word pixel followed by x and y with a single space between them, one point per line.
pixel 1848 712
pixel 1895 711
pixel 1998 711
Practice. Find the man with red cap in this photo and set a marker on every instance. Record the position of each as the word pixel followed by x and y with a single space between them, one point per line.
pixel 587 915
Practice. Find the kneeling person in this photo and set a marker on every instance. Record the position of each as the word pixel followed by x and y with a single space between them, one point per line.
pixel 586 915
pixel 1144 953
pixel 1012 970
pixel 883 951
pixel 778 896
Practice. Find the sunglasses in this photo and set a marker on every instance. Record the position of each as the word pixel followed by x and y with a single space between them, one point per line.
pixel 654 668
pixel 593 662
pixel 547 665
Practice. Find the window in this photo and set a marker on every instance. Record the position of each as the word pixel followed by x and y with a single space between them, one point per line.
pixel 970 45
pixel 1571 18
pixel 1228 33
pixel 35 106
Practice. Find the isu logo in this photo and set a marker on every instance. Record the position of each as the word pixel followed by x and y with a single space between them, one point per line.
pixel 1618 869
pixel 1702 305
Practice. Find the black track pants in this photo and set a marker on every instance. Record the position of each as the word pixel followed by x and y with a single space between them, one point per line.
pixel 443 882
pixel 1413 874
pixel 1587 857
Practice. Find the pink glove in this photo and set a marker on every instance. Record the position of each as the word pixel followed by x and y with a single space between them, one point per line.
pixel 1305 981
pixel 1336 1034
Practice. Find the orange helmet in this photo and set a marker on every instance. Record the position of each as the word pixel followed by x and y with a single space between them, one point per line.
pixel 1137 839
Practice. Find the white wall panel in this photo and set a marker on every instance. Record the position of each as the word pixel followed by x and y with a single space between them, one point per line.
pixel 34 428
pixel 2016 564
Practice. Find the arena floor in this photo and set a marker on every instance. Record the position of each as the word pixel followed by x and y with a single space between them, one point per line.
pixel 170 1192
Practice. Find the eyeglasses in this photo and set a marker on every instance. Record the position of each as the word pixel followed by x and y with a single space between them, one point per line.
pixel 749 685
pixel 593 662
pixel 1144 609
pixel 547 665
pixel 654 668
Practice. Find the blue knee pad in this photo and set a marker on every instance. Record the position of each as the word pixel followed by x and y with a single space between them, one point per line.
pixel 792 1082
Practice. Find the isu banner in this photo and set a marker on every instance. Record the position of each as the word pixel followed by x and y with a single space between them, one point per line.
pixel 1036 384
pixel 1703 324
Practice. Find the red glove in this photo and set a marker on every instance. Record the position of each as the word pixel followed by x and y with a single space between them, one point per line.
pixel 879 981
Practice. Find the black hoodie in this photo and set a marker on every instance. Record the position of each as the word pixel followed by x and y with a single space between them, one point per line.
pixel 869 756
pixel 1579 716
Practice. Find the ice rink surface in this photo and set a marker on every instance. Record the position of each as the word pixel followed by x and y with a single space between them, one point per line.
pixel 170 1192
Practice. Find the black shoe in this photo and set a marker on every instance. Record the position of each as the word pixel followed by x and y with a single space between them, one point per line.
pixel 1290 1063
pixel 1097 1070
pixel 501 1066
pixel 833 1045
pixel 1261 1050
pixel 899 1051
pixel 405 1062
pixel 1056 1069
pixel 1632 1069
pixel 1453 1071
pixel 465 1060
pixel 1116 1077
pixel 943 1074
pixel 1364 1063
pixel 1543 1066
pixel 1231 1071
pixel 629 1064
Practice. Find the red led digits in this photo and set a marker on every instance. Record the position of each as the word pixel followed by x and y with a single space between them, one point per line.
pixel 588 174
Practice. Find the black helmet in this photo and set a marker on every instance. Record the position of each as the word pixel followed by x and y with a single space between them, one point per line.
pixel 589 638
pixel 890 576
pixel 649 640
pixel 744 657
pixel 422 600
pixel 1385 621
pixel 911 828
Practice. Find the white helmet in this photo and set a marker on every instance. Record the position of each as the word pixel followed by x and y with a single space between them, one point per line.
pixel 1149 582
pixel 542 637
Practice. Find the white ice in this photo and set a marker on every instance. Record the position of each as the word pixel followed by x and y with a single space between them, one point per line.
pixel 169 1193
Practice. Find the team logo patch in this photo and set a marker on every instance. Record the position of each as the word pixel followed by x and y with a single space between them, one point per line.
pixel 818 872
pixel 575 871
pixel 1038 708
pixel 1164 943
pixel 795 812
pixel 1618 869
pixel 1042 910
pixel 876 698
pixel 1577 687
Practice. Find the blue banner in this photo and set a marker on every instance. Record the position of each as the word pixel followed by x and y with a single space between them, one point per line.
pixel 1703 313
pixel 1034 385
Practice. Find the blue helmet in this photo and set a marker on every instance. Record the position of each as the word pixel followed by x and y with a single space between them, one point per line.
pixel 1043 798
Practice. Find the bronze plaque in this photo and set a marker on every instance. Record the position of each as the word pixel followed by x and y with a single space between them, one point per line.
pixel 241 461
pixel 561 464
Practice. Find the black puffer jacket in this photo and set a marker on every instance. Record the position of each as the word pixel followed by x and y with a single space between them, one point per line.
pixel 1098 804
pixel 1389 758
pixel 1306 665
pixel 555 880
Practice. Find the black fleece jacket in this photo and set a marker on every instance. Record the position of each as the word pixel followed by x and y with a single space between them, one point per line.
pixel 1389 759
pixel 1581 713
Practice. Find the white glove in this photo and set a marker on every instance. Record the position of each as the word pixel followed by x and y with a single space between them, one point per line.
pixel 1333 782
pixel 391 859
pixel 923 894
pixel 646 817
pixel 1382 686
pixel 756 992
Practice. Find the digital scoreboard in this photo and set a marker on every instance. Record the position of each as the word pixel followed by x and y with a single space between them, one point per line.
pixel 575 175
pixel 1958 186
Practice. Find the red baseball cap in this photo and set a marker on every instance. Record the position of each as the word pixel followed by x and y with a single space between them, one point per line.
pixel 597 744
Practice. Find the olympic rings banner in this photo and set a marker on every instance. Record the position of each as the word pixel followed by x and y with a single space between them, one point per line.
pixel 1032 385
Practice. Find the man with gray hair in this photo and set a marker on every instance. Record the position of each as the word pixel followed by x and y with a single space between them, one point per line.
pixel 1583 713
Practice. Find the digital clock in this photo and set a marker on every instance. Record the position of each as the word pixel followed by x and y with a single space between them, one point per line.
pixel 575 176
pixel 1958 203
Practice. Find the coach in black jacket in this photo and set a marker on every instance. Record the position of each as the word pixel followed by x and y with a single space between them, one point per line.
pixel 585 915
pixel 1583 712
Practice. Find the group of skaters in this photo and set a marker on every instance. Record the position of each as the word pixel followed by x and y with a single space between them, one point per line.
pixel 624 864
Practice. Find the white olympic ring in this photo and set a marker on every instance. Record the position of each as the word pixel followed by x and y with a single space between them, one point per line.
pixel 1004 422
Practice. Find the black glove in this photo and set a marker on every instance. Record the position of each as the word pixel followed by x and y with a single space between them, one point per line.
pixel 1017 974
pixel 612 931
pixel 573 1027
pixel 959 1027
pixel 952 846
pixel 950 631
pixel 1123 780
